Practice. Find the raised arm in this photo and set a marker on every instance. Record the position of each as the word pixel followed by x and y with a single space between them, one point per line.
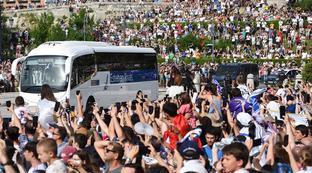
pixel 291 139
pixel 100 147
pixel 101 123
pixel 79 105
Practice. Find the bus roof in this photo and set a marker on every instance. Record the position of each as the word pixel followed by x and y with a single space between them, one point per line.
pixel 72 48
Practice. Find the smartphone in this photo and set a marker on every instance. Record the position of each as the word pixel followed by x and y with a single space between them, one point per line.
pixel 150 109
pixel 57 106
pixel 169 99
pixel 157 112
pixel 72 108
pixel 282 111
pixel 77 92
pixel 118 105
pixel 124 104
pixel 133 105
pixel 106 110
pixel 8 103
pixel 285 143
pixel 101 110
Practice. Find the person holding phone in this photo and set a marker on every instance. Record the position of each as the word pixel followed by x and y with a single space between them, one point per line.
pixel 46 106
pixel 21 111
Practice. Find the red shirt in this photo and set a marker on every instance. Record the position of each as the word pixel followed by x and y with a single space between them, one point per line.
pixel 182 126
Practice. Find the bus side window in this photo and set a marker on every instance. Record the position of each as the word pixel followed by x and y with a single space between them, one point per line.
pixel 82 70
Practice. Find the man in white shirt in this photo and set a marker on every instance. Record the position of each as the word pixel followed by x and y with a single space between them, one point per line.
pixel 273 107
pixel 242 86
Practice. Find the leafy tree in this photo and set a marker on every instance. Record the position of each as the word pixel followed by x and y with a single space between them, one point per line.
pixel 56 33
pixel 77 22
pixel 304 4
pixel 307 72
pixel 5 37
pixel 42 25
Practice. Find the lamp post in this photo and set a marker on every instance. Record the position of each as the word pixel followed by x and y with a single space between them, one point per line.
pixel 11 20
pixel 84 26
pixel 125 25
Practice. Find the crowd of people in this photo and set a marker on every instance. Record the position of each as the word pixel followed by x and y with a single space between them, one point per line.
pixel 201 125
pixel 7 80
pixel 245 24
pixel 203 130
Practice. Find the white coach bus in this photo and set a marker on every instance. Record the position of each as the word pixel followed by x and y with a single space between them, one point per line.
pixel 109 73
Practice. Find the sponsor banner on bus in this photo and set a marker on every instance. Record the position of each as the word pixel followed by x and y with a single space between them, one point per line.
pixel 133 76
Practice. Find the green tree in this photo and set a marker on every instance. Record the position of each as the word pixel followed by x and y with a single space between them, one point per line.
pixel 56 33
pixel 77 22
pixel 304 4
pixel 5 37
pixel 307 72
pixel 42 25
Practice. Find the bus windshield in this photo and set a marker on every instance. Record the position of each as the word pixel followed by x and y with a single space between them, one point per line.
pixel 39 70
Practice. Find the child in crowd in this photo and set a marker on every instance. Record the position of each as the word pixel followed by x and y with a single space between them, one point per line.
pixel 21 111
pixel 235 158
pixel 47 153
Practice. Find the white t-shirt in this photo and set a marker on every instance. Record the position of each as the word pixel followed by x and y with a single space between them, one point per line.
pixel 45 112
pixel 57 166
pixel 273 109
pixel 20 113
pixel 37 168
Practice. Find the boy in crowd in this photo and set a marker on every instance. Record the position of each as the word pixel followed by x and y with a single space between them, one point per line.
pixel 21 112
pixel 31 156
pixel 47 153
pixel 235 158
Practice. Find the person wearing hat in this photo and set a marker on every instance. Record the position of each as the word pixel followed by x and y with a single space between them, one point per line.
pixel 251 130
pixel 67 153
pixel 190 152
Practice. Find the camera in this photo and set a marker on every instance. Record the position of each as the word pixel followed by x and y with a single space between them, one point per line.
pixel 100 110
pixel 77 92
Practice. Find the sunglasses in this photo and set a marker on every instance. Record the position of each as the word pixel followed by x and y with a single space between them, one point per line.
pixel 108 150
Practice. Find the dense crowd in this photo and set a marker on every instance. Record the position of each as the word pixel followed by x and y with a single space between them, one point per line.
pixel 245 24
pixel 7 80
pixel 189 130
pixel 201 125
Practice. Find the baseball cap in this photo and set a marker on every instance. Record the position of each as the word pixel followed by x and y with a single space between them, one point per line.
pixel 143 129
pixel 189 150
pixel 68 152
pixel 244 118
